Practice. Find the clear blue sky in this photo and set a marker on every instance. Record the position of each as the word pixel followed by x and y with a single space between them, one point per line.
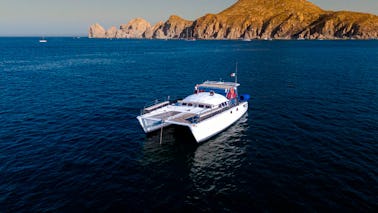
pixel 73 17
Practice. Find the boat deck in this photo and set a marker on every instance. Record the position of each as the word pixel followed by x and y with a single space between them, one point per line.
pixel 175 116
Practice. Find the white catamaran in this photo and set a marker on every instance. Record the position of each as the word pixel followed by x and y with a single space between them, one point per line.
pixel 214 106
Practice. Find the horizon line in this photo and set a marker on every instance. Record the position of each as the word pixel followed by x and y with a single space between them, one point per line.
pixel 43 35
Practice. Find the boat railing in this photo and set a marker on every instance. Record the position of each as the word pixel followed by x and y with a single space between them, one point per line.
pixel 156 104
pixel 203 116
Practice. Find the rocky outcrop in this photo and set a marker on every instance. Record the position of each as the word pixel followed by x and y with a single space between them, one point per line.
pixel 136 28
pixel 156 31
pixel 342 25
pixel 255 19
pixel 175 27
pixel 96 31
pixel 111 32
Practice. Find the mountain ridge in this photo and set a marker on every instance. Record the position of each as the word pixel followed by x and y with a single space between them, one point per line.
pixel 254 19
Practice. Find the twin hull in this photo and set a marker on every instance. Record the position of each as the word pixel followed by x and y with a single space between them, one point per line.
pixel 209 127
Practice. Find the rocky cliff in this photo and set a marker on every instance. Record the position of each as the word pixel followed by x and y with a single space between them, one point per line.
pixel 254 19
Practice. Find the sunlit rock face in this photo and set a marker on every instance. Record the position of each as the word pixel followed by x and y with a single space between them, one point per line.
pixel 254 19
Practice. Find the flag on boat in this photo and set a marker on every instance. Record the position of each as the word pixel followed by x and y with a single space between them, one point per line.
pixel 233 74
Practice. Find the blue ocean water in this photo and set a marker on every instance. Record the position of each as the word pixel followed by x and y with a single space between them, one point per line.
pixel 69 139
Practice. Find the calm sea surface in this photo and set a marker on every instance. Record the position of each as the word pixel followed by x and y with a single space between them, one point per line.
pixel 69 139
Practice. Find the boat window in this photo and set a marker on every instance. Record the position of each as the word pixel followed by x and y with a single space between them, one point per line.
pixel 190 104
pixel 208 107
pixel 202 106
pixel 184 104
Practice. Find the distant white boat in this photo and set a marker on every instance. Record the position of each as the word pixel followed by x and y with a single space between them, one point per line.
pixel 214 106
pixel 42 40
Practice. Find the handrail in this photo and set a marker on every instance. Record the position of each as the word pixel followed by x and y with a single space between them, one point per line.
pixel 203 116
pixel 156 106
pixel 195 119
pixel 159 103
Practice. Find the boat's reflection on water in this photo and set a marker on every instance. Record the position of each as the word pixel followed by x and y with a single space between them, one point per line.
pixel 219 161
pixel 204 166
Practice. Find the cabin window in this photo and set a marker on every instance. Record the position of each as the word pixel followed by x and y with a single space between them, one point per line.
pixel 202 106
pixel 184 104
pixel 208 107
pixel 190 104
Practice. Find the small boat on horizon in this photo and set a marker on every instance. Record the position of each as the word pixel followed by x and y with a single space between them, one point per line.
pixel 42 40
pixel 214 106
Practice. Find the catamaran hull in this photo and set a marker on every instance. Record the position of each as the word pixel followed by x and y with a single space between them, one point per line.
pixel 149 125
pixel 212 126
pixel 202 130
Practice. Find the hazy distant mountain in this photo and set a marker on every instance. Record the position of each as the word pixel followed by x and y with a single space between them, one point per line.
pixel 255 19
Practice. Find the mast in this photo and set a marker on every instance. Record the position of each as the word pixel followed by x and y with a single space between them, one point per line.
pixel 236 73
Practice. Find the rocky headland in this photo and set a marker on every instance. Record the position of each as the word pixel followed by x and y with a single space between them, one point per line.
pixel 254 19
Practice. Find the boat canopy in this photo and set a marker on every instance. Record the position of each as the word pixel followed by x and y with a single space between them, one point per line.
pixel 219 84
pixel 208 98
pixel 219 87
